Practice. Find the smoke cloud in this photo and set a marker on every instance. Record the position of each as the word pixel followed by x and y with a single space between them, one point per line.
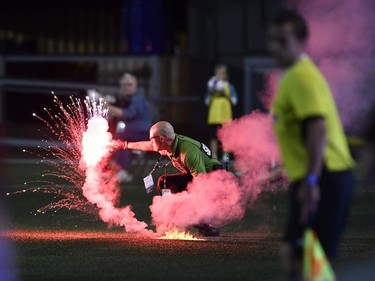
pixel 252 141
pixel 210 198
pixel 342 36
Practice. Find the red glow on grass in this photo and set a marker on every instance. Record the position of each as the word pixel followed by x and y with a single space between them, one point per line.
pixel 61 235
pixel 33 235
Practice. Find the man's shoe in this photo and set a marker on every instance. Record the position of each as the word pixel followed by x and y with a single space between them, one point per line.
pixel 207 230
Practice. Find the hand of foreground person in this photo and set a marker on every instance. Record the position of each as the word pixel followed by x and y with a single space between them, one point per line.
pixel 309 196
pixel 119 145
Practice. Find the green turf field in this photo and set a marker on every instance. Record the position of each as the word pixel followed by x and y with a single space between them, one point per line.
pixel 69 245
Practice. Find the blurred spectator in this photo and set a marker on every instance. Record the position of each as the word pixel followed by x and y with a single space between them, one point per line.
pixel 133 119
pixel 220 97
pixel 313 145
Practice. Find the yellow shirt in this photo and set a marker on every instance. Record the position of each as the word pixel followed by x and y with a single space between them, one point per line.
pixel 220 108
pixel 303 92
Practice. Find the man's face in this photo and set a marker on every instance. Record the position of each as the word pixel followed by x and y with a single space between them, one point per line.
pixel 283 44
pixel 155 139
pixel 128 86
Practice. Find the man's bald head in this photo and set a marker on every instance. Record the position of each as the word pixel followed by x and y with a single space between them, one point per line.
pixel 163 128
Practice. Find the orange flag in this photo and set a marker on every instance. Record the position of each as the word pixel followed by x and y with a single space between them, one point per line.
pixel 316 266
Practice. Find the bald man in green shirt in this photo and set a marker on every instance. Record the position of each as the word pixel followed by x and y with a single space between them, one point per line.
pixel 189 156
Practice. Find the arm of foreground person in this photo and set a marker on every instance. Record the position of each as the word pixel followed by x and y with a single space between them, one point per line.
pixel 315 141
pixel 139 145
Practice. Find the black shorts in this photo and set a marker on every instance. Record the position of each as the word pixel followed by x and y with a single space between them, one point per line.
pixel 336 189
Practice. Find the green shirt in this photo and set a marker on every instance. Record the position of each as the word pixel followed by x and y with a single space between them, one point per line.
pixel 191 156
pixel 302 93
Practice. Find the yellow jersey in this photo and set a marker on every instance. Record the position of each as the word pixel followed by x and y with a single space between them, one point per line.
pixel 303 92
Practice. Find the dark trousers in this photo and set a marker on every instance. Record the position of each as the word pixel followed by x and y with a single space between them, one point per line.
pixel 336 191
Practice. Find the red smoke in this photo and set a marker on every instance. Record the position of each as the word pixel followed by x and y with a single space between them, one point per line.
pixel 268 91
pixel 252 141
pixel 211 198
pixel 342 36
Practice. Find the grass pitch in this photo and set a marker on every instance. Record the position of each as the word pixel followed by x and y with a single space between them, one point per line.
pixel 69 245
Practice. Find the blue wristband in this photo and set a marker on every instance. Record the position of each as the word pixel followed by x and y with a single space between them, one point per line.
pixel 312 180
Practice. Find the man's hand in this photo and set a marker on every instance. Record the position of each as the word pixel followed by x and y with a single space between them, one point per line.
pixel 309 196
pixel 119 145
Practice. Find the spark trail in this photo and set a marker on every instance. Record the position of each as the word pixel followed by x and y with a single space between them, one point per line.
pixel 77 154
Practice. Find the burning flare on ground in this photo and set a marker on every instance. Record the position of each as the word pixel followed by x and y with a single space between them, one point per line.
pixel 176 234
